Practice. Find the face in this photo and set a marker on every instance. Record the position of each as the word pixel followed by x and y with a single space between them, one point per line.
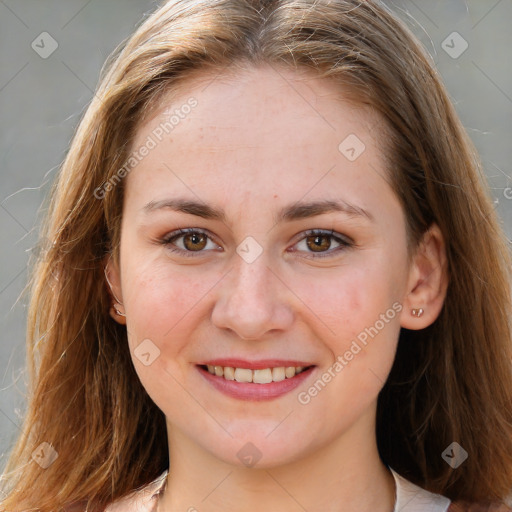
pixel 260 233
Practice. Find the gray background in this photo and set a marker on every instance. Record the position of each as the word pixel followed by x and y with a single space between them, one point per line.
pixel 42 99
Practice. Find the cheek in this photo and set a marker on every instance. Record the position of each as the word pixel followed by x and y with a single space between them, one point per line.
pixel 163 305
pixel 347 300
pixel 161 301
pixel 356 315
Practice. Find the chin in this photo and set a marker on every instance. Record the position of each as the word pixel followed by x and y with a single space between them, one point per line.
pixel 260 451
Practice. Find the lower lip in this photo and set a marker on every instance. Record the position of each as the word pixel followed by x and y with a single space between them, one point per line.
pixel 252 391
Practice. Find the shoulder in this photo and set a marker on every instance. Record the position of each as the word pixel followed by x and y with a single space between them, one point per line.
pixel 464 506
pixel 140 500
pixel 415 498
pixel 412 498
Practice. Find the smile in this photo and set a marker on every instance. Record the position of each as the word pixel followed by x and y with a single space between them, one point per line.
pixel 261 376
pixel 263 383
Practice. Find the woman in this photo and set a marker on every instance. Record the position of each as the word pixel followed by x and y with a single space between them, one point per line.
pixel 260 291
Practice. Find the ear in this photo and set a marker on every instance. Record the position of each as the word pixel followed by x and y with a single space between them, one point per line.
pixel 113 284
pixel 428 281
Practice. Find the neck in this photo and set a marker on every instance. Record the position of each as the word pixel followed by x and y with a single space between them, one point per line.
pixel 346 474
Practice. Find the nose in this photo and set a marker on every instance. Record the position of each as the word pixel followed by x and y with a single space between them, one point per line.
pixel 253 301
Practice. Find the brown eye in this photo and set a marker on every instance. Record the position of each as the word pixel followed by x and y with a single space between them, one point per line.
pixel 195 241
pixel 323 244
pixel 318 243
pixel 189 242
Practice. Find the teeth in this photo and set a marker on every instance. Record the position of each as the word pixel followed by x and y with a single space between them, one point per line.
pixel 263 376
pixel 243 375
pixel 229 373
pixel 278 374
pixel 289 372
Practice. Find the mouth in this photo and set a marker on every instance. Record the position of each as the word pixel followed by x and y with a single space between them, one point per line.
pixel 263 381
pixel 257 376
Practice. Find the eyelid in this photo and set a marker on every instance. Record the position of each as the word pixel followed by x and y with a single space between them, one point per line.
pixel 186 231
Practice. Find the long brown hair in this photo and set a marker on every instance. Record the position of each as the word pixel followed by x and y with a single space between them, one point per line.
pixel 451 382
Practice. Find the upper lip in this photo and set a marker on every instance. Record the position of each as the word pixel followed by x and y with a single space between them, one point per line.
pixel 255 365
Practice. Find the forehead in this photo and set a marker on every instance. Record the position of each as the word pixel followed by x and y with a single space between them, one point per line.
pixel 268 93
pixel 257 131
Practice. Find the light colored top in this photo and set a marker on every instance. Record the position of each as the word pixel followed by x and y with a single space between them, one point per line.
pixel 409 498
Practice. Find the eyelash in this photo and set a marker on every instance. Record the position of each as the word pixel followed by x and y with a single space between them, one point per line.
pixel 345 242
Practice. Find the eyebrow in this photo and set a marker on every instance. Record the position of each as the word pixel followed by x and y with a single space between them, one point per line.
pixel 291 212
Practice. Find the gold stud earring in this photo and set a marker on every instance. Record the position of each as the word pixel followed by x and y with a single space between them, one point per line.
pixel 417 312
pixel 117 310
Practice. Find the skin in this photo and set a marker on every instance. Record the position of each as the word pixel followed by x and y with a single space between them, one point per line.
pixel 258 140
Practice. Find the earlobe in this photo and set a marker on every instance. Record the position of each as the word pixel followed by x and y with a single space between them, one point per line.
pixel 112 282
pixel 427 283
